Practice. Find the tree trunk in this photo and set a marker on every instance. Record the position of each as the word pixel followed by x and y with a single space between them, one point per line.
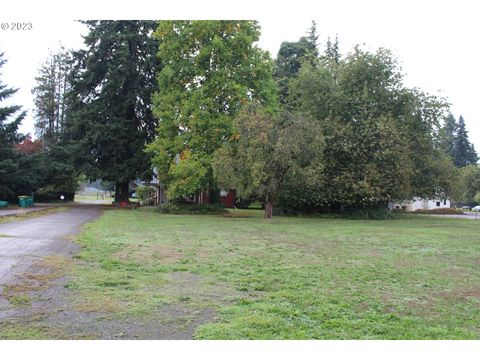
pixel 121 191
pixel 268 210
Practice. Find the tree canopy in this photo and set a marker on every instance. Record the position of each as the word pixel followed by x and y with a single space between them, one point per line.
pixel 210 70
pixel 379 135
pixel 265 150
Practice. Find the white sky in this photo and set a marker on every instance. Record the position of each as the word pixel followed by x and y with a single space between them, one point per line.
pixel 435 41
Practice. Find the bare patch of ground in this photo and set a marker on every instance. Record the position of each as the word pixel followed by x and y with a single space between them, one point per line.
pixel 51 307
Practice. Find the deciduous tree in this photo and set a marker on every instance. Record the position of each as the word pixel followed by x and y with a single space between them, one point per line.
pixel 379 135
pixel 265 150
pixel 210 69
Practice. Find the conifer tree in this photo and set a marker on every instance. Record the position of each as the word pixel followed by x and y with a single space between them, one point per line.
pixel 464 152
pixel 109 119
pixel 10 118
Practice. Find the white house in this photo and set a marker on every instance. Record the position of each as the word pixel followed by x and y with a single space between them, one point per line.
pixel 419 204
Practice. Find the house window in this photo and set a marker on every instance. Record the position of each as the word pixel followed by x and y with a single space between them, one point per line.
pixel 223 193
pixel 445 202
pixel 397 207
pixel 438 203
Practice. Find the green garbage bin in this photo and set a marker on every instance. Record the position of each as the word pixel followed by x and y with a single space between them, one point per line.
pixel 3 203
pixel 23 201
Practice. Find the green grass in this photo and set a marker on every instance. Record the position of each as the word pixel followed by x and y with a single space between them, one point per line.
pixel 22 331
pixel 290 278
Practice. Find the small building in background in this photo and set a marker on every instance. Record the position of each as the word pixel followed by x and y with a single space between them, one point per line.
pixel 419 204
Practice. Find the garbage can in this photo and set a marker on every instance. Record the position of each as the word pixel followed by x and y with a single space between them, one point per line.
pixel 23 201
pixel 3 203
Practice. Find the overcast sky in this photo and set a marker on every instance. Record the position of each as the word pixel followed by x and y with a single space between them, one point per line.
pixel 436 42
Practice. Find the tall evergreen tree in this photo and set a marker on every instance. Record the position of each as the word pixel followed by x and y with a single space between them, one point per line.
pixel 211 68
pixel 447 135
pixel 10 118
pixel 313 40
pixel 290 58
pixel 332 52
pixel 464 152
pixel 49 97
pixel 109 119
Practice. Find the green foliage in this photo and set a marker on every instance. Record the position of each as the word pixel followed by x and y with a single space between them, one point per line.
pixel 11 162
pixel 379 135
pixel 146 194
pixel 109 117
pixel 447 135
pixel 464 151
pixel 210 69
pixel 49 97
pixel 477 197
pixel 190 174
pixel 265 150
pixel 291 57
pixel 50 194
pixel 191 209
pixel 453 139
pixel 468 184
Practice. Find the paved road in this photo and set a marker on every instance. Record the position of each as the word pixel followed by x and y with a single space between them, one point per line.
pixel 26 241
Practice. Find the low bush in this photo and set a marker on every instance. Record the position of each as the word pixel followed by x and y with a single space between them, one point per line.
pixel 191 209
pixel 444 211
pixel 146 195
pixel 53 196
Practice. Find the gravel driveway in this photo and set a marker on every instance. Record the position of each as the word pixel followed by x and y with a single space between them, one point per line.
pixel 25 241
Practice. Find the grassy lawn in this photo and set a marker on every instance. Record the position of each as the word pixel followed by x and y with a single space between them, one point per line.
pixel 290 278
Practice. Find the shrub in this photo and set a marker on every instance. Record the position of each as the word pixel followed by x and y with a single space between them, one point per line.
pixel 47 195
pixel 191 209
pixel 444 211
pixel 146 195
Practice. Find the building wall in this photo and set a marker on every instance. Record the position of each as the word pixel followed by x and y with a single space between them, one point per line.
pixel 228 200
pixel 419 204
